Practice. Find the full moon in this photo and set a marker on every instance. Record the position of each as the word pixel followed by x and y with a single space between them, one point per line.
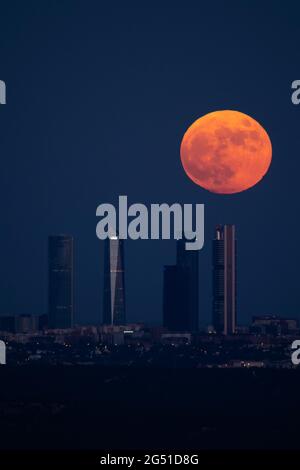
pixel 226 152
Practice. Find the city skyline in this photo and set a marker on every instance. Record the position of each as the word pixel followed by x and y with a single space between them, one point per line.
pixel 180 289
pixel 173 274
pixel 61 272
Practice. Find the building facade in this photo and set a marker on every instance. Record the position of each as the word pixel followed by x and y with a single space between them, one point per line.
pixel 224 280
pixel 181 291
pixel 188 261
pixel 114 309
pixel 61 281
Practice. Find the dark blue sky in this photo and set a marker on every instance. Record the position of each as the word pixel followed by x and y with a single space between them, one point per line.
pixel 98 99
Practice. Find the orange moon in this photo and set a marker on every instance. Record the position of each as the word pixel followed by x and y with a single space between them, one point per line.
pixel 226 152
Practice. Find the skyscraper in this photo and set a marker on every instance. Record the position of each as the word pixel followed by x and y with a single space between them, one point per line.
pixel 224 280
pixel 114 312
pixel 181 291
pixel 175 298
pixel 188 260
pixel 61 280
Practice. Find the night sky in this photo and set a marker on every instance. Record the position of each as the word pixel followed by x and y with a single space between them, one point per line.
pixel 99 96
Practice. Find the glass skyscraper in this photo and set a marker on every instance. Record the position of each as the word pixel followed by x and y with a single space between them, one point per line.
pixel 224 280
pixel 181 291
pixel 188 261
pixel 61 281
pixel 114 312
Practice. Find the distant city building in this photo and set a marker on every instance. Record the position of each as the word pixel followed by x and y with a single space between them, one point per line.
pixel 61 281
pixel 274 325
pixel 242 330
pixel 26 323
pixel 181 291
pixel 224 280
pixel 116 339
pixel 23 324
pixel 43 322
pixel 175 298
pixel 176 338
pixel 114 311
pixel 189 261
pixel 246 364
